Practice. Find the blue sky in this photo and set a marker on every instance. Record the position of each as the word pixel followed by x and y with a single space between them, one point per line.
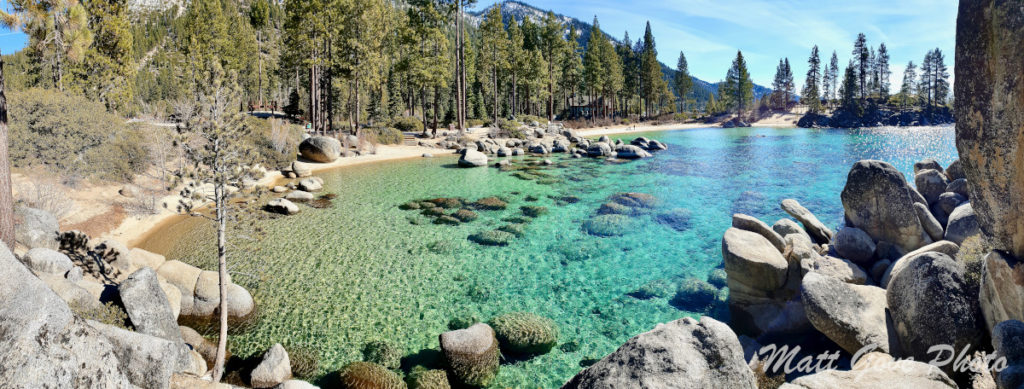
pixel 710 31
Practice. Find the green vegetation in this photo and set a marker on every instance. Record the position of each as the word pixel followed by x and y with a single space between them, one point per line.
pixel 109 313
pixel 73 136
pixel 407 124
pixel 384 135
pixel 384 353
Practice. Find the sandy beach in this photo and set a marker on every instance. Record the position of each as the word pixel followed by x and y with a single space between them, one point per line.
pixel 134 229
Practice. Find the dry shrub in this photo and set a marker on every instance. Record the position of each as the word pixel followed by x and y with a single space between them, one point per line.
pixel 765 381
pixel 46 194
pixel 109 313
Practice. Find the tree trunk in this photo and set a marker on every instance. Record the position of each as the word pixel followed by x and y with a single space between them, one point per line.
pixel 222 267
pixel 437 105
pixel 6 195
pixel 494 78
pixel 259 51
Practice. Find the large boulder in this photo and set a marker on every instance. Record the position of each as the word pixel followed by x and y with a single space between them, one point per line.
pixel 631 152
pixel 472 354
pixel 1002 289
pixel 927 164
pixel 814 227
pixel 36 228
pixel 837 268
pixel 955 171
pixel 853 316
pixel 874 371
pixel 274 369
pixel 282 206
pixel 44 344
pixel 878 200
pixel 148 361
pixel 599 149
pixel 685 353
pixel 44 260
pixel 942 246
pixel 787 226
pixel 320 149
pixel 752 224
pixel 1008 342
pixel 752 262
pixel 930 184
pixel 963 223
pixel 930 305
pixel 147 306
pixel 989 92
pixel 472 158
pixel 854 244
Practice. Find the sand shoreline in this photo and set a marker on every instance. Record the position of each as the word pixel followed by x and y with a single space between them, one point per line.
pixel 135 230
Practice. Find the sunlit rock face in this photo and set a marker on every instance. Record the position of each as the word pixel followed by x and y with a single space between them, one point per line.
pixel 989 93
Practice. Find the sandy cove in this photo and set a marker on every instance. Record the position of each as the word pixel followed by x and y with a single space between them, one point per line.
pixel 133 230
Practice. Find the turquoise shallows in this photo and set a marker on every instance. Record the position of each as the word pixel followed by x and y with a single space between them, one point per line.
pixel 331 280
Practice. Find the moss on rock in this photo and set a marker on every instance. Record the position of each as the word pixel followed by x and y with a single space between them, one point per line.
pixel 368 375
pixel 492 238
pixel 429 379
pixel 465 215
pixel 490 204
pixel 445 219
pixel 525 333
pixel 695 296
pixel 517 229
pixel 435 211
pixel 384 353
pixel 533 210
pixel 410 205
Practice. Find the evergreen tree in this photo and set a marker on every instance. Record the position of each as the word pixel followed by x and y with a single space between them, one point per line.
pixel 571 67
pixel 493 61
pixel 810 95
pixel 594 71
pixel 861 57
pixel 789 87
pixel 219 159
pixel 738 90
pixel 934 85
pixel 108 72
pixel 777 99
pixel 553 44
pixel 58 33
pixel 650 70
pixel 909 88
pixel 882 68
pixel 361 48
pixel 427 61
pixel 683 80
pixel 259 18
pixel 849 89
pixel 833 77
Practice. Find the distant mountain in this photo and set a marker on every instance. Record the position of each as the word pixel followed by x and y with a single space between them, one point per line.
pixel 518 10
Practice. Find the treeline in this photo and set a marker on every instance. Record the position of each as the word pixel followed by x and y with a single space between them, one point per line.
pixel 864 83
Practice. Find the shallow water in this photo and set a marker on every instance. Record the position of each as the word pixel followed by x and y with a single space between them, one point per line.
pixel 329 280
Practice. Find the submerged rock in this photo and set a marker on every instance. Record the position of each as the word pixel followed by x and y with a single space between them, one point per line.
pixel 490 204
pixel 685 353
pixel 472 354
pixel 695 296
pixel 608 225
pixel 492 238
pixel 525 333
pixel 359 375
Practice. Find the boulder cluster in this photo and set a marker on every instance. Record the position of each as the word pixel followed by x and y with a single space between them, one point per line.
pixel 889 280
pixel 75 312
pixel 554 139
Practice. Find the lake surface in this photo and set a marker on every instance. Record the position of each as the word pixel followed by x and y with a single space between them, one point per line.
pixel 330 280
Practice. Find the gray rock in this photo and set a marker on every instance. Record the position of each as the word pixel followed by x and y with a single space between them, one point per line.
pixel 147 305
pixel 990 116
pixel 814 227
pixel 274 369
pixel 302 169
pixel 311 185
pixel 35 228
pixel 604 139
pixel 837 268
pixel 320 149
pixel 853 316
pixel 44 345
pixel 879 269
pixel 959 187
pixel 282 206
pixel 299 195
pixel 425 155
pixel 599 149
pixel 631 152
pixel 918 198
pixel 44 260
pixel 931 183
pixel 928 221
pixel 930 305
pixel 942 246
pixel 297 384
pixel 751 260
pixel 752 224
pixel 962 224
pixel 955 171
pixel 472 354
pixel 472 158
pixel 788 226
pixel 854 244
pixel 1002 292
pixel 1008 342
pixel 504 152
pixel 881 372
pixel 877 199
pixel 681 354
pixel 148 361
pixel 927 164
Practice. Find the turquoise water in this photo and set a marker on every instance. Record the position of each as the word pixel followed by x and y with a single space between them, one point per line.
pixel 329 280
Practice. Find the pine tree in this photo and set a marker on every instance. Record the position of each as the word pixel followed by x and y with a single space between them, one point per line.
pixel 259 18
pixel 834 77
pixel 909 88
pixel 882 68
pixel 738 90
pixel 108 71
pixel 571 67
pixel 553 44
pixel 778 87
pixel 683 80
pixel 493 61
pixel 594 72
pixel 650 70
pixel 58 33
pixel 810 95
pixel 861 57
pixel 218 161
pixel 849 89
pixel 361 48
pixel 427 61
pixel 789 87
